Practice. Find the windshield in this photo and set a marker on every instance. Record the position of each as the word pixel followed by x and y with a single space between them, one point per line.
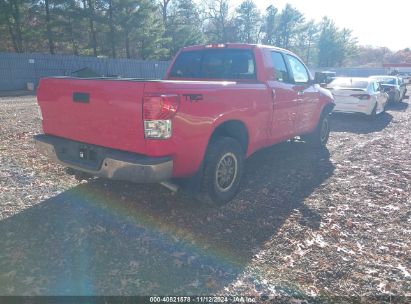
pixel 215 64
pixel 348 83
pixel 387 80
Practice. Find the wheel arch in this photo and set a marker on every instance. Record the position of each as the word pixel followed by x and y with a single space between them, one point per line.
pixel 235 129
pixel 327 109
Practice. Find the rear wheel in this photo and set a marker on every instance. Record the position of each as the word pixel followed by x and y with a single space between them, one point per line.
pixel 398 97
pixel 321 134
pixel 224 165
pixel 374 111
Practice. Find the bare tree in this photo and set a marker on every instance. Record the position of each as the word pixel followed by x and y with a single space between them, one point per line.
pixel 218 20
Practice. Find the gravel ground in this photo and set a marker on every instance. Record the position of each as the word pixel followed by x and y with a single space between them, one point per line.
pixel 306 223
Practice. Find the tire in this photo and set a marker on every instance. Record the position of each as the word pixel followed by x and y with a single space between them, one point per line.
pixel 401 97
pixel 398 97
pixel 223 169
pixel 321 134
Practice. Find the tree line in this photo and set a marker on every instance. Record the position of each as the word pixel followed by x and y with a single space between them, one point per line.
pixel 147 29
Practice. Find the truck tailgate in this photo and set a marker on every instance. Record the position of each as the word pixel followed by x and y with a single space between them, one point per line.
pixel 101 112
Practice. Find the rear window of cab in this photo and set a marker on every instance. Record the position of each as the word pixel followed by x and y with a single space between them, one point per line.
pixel 222 64
pixel 386 80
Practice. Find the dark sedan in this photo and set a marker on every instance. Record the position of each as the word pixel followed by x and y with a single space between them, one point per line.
pixel 393 86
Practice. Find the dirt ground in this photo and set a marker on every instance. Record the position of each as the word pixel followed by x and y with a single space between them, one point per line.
pixel 306 223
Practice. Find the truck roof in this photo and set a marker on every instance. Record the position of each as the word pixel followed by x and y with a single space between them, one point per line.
pixel 233 45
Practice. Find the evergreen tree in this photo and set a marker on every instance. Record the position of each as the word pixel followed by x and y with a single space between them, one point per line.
pixel 268 26
pixel 157 29
pixel 11 17
pixel 289 26
pixel 334 46
pixel 306 41
pixel 326 43
pixel 110 10
pixel 71 27
pixel 184 26
pixel 48 25
pixel 164 5
pixel 347 46
pixel 248 22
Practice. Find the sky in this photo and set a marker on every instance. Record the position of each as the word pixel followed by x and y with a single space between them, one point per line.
pixel 375 23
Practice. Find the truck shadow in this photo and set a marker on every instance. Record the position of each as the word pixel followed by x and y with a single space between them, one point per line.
pixel 359 124
pixel 115 238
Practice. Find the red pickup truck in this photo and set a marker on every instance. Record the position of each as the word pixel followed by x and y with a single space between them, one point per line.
pixel 217 105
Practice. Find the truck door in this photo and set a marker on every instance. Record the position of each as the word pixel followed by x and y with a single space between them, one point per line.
pixel 308 97
pixel 284 99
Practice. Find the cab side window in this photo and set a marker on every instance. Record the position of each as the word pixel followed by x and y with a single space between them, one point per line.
pixel 298 70
pixel 280 68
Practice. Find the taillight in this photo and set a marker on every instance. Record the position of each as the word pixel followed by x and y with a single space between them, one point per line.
pixel 362 96
pixel 158 110
pixel 157 106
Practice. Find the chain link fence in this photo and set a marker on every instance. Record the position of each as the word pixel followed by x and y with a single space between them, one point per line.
pixel 19 70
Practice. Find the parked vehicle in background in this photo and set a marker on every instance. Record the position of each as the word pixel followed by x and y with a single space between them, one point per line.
pixel 324 77
pixel 358 95
pixel 393 86
pixel 406 76
pixel 403 85
pixel 217 106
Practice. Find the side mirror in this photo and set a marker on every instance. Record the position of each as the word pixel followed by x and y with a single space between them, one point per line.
pixel 318 78
pixel 318 81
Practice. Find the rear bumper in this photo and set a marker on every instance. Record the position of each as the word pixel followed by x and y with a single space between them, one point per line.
pixel 364 108
pixel 105 162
